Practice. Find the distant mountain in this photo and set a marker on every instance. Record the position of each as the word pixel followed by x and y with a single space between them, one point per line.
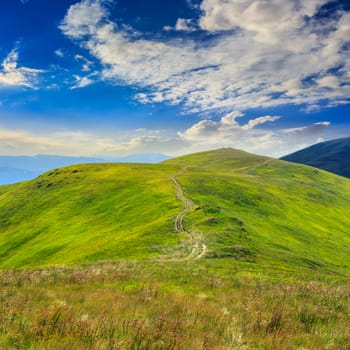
pixel 152 158
pixel 12 175
pixel 20 168
pixel 333 156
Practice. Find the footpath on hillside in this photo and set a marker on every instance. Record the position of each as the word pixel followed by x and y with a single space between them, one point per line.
pixel 196 243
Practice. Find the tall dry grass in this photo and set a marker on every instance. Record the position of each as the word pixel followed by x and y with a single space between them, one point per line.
pixel 127 306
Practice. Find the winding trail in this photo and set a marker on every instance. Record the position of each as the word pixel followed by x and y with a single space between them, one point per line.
pixel 196 243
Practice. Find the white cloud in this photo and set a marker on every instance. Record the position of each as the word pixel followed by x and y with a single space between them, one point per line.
pixel 12 75
pixel 183 24
pixel 269 53
pixel 82 18
pixel 269 21
pixel 328 81
pixel 256 135
pixel 309 130
pixel 83 143
pixel 227 132
pixel 86 64
pixel 59 53
pixel 81 82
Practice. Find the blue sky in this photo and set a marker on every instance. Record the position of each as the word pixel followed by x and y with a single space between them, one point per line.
pixel 111 78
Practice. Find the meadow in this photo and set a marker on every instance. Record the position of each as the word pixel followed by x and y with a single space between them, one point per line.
pixel 90 257
pixel 193 305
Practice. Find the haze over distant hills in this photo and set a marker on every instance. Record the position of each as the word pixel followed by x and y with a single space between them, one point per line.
pixel 333 156
pixel 20 168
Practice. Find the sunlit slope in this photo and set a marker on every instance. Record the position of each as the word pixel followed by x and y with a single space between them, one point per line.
pixel 87 213
pixel 268 211
pixel 253 210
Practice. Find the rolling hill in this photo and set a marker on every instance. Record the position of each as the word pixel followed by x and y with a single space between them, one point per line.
pixel 21 168
pixel 270 214
pixel 214 250
pixel 333 156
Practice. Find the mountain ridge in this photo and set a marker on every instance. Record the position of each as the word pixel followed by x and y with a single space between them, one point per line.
pixel 332 156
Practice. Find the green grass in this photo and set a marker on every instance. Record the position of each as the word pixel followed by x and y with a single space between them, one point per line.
pixel 274 276
pixel 165 306
pixel 274 214
pixel 87 213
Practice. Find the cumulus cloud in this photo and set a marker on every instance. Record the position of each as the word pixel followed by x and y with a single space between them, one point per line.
pixel 13 75
pixel 257 135
pixel 82 18
pixel 227 129
pixel 227 132
pixel 269 21
pixel 268 53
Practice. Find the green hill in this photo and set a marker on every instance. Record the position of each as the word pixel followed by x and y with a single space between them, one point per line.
pixel 333 156
pixel 241 208
pixel 214 250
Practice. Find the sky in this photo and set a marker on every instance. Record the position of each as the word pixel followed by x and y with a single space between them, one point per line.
pixel 113 78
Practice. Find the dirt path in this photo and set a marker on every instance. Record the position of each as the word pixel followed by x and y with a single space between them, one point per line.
pixel 196 243
pixel 199 248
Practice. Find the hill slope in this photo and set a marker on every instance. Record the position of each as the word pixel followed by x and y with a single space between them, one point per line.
pixel 333 156
pixel 87 213
pixel 20 168
pixel 267 213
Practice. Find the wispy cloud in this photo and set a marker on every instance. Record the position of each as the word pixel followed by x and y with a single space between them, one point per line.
pixel 268 53
pixel 82 81
pixel 59 53
pixel 14 141
pixel 13 75
pixel 183 24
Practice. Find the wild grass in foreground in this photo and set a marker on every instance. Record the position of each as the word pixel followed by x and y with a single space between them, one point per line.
pixel 169 306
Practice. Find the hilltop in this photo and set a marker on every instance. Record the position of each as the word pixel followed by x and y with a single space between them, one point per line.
pixel 333 156
pixel 268 213
pixel 213 250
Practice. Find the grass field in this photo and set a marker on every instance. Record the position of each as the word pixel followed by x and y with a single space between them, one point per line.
pixel 90 258
pixel 269 212
pixel 193 305
pixel 87 213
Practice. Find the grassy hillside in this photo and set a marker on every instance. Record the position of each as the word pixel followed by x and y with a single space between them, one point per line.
pixel 87 213
pixel 262 261
pixel 268 213
pixel 333 156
